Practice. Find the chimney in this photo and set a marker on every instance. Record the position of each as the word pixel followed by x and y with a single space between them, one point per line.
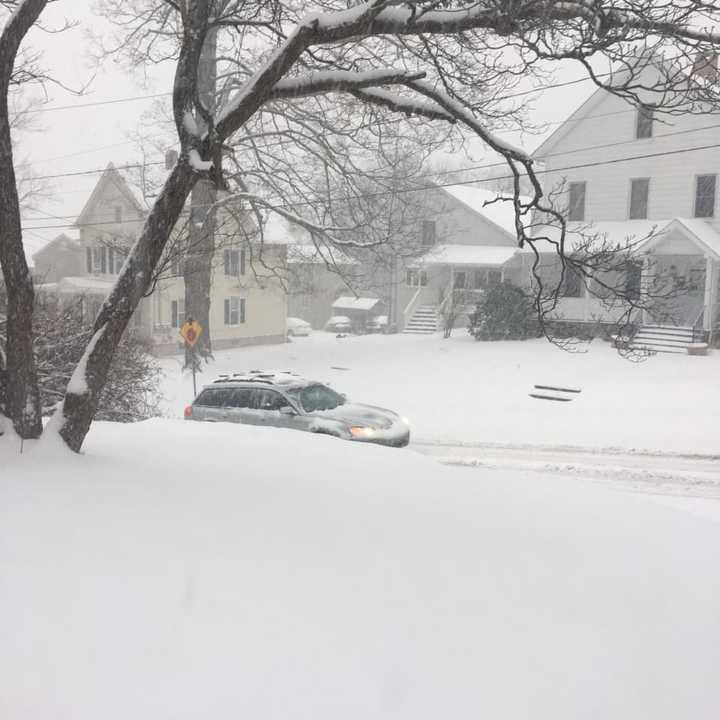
pixel 171 157
pixel 706 66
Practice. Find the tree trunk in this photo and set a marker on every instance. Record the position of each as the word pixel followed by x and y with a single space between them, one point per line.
pixel 84 390
pixel 201 235
pixel 22 395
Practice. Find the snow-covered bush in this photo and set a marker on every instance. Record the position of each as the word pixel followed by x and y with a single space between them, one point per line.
pixel 504 312
pixel 61 334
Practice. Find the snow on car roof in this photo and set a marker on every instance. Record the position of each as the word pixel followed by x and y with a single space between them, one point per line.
pixel 270 377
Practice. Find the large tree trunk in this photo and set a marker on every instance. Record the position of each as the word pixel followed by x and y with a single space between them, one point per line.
pixel 201 233
pixel 85 386
pixel 22 394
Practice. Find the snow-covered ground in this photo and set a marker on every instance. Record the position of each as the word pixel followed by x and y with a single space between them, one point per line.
pixel 460 391
pixel 648 427
pixel 184 571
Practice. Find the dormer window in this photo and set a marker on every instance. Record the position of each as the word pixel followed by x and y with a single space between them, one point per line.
pixel 644 122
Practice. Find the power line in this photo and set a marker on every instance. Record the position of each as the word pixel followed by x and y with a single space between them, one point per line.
pixel 286 205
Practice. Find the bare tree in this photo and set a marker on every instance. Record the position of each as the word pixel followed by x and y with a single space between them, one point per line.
pixel 434 62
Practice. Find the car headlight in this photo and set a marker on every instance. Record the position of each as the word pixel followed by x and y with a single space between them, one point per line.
pixel 405 421
pixel 362 432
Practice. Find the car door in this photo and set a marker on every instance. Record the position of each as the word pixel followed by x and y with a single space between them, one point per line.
pixel 275 410
pixel 212 404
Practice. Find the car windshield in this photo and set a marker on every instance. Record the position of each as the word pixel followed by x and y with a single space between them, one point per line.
pixel 318 397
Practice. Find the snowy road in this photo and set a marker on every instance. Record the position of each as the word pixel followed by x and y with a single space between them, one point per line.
pixel 674 474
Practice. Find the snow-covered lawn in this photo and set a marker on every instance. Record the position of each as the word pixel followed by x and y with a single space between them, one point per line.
pixel 194 571
pixel 462 391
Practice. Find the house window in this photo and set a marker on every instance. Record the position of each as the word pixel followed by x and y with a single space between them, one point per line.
pixel 428 233
pixel 576 204
pixel 572 285
pixel 494 277
pixel 459 280
pixel 643 122
pixel 234 311
pixel 639 190
pixel 479 279
pixel 118 214
pixel 99 258
pixel 111 260
pixel 232 262
pixel 177 312
pixel 705 196
pixel 423 278
pixel 411 278
pixel 633 280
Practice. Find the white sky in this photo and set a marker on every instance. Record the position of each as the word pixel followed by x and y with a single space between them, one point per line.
pixel 86 138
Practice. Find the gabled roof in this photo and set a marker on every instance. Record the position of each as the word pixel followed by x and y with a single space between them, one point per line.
pixel 698 231
pixel 61 239
pixel 499 214
pixel 109 177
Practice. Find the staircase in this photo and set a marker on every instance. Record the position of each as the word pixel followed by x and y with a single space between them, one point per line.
pixel 424 321
pixel 663 338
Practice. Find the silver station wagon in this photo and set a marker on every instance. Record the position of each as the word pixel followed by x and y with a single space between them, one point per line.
pixel 286 400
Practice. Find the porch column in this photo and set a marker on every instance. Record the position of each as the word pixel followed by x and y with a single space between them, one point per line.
pixel 711 294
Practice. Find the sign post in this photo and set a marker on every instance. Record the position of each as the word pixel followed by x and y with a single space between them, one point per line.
pixel 190 333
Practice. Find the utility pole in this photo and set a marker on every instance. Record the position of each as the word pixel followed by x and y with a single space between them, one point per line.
pixel 201 232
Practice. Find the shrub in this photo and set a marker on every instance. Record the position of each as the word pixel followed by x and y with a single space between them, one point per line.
pixel 505 312
pixel 132 391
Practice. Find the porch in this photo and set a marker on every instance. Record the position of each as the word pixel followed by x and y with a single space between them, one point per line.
pixel 450 280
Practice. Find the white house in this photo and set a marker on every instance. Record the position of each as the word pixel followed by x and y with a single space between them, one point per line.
pixel 245 308
pixel 469 233
pixel 629 174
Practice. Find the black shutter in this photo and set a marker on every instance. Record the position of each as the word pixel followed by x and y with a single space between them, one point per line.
pixel 227 311
pixel 103 260
pixel 242 310
pixel 174 313
pixel 242 262
pixel 226 262
pixel 111 261
pixel 88 260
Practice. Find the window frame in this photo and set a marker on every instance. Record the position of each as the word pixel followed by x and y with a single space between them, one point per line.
pixel 646 180
pixel 645 121
pixel 572 207
pixel 239 311
pixel 176 314
pixel 714 194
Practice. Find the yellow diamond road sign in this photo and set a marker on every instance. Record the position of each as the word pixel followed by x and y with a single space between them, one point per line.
pixel 190 332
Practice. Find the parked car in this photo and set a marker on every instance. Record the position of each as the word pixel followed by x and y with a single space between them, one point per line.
pixel 339 324
pixel 287 400
pixel 377 324
pixel 297 327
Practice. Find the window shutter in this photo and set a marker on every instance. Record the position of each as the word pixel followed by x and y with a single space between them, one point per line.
pixel 88 260
pixel 242 262
pixel 103 259
pixel 174 313
pixel 226 262
pixel 227 311
pixel 111 260
pixel 242 310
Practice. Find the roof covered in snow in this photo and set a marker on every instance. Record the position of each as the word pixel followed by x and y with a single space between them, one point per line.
pixel 501 212
pixel 493 255
pixel 81 285
pixel 353 303
pixel 302 254
pixel 61 242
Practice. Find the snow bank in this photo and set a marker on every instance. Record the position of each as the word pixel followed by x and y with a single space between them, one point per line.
pixel 188 570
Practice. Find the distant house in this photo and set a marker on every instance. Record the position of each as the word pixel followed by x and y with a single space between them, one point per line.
pixel 469 241
pixel 244 307
pixel 316 275
pixel 628 174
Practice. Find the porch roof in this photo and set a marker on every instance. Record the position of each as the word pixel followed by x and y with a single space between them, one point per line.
pixel 85 285
pixel 700 232
pixel 482 255
pixel 613 232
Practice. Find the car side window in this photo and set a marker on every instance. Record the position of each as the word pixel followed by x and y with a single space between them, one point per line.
pixel 241 398
pixel 208 398
pixel 268 400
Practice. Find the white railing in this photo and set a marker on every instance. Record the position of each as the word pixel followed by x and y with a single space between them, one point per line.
pixel 412 305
